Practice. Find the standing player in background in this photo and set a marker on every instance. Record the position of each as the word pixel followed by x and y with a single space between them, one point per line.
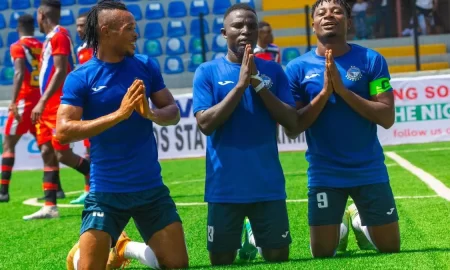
pixel 84 54
pixel 25 54
pixel 265 49
pixel 126 177
pixel 57 61
pixel 343 92
pixel 238 99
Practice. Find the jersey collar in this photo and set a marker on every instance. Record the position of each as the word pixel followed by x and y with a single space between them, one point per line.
pixel 52 33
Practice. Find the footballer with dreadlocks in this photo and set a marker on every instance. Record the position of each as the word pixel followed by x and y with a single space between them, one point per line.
pixel 106 100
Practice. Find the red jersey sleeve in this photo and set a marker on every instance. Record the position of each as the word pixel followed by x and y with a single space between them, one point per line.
pixel 16 51
pixel 60 44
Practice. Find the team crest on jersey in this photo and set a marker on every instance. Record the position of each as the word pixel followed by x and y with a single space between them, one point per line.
pixel 267 81
pixel 354 74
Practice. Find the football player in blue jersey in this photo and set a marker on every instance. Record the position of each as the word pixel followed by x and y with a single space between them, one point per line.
pixel 99 102
pixel 342 93
pixel 237 101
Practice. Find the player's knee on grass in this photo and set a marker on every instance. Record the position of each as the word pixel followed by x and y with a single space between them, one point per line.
pixel 94 250
pixel 276 255
pixel 222 258
pixel 160 226
pixel 378 211
pixel 386 237
pixel 324 240
pixel 169 247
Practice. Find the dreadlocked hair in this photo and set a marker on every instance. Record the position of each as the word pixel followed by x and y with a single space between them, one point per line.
pixel 91 27
pixel 342 3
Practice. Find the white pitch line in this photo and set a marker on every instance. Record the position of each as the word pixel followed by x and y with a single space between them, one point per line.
pixel 423 150
pixel 306 200
pixel 436 185
pixel 185 181
pixel 34 201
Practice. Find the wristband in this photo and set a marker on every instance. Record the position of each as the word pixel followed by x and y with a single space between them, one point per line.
pixel 257 77
pixel 261 84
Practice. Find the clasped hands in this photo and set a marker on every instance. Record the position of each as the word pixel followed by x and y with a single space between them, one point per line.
pixel 332 78
pixel 136 100
pixel 249 70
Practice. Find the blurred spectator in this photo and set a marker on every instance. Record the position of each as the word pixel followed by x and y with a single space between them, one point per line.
pixel 384 26
pixel 371 20
pixel 425 11
pixel 265 49
pixel 359 19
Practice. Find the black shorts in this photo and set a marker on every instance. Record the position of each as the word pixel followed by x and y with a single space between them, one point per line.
pixel 269 221
pixel 152 210
pixel 375 203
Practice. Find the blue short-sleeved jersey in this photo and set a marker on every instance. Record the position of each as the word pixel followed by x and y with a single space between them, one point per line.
pixel 343 147
pixel 124 158
pixel 242 163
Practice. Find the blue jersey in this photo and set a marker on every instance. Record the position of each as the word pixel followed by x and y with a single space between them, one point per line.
pixel 343 147
pixel 124 158
pixel 242 163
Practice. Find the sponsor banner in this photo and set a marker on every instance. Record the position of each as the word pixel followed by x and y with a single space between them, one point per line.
pixel 422 111
pixel 422 114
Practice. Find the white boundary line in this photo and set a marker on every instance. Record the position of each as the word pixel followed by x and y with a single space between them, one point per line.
pixel 421 150
pixel 436 185
pixel 34 201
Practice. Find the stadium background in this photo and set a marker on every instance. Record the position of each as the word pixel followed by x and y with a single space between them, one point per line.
pixel 170 32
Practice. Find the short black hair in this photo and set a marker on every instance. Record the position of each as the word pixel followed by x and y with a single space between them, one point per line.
pixel 83 15
pixel 263 24
pixel 343 3
pixel 238 6
pixel 91 26
pixel 52 9
pixel 51 3
pixel 25 23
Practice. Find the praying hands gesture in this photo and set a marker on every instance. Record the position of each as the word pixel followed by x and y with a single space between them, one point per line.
pixel 334 75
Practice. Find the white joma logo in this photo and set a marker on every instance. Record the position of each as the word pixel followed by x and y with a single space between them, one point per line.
pixel 225 82
pixel 285 234
pixel 98 88
pixel 391 211
pixel 311 76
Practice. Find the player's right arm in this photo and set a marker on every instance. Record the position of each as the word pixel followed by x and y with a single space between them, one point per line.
pixel 308 112
pixel 70 127
pixel 210 117
pixel 18 54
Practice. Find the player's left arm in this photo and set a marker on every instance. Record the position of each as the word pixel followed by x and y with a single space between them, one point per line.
pixel 166 112
pixel 281 106
pixel 380 109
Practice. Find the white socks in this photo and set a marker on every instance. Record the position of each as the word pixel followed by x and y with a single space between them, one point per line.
pixel 356 222
pixel 133 250
pixel 143 253
pixel 76 258
pixel 343 231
